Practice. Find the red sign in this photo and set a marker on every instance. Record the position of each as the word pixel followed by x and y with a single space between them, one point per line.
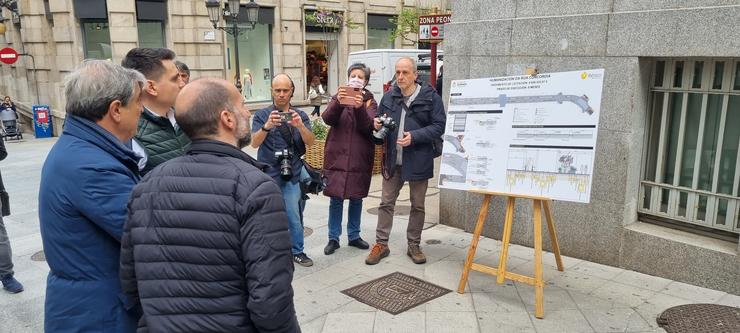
pixel 8 56
pixel 435 31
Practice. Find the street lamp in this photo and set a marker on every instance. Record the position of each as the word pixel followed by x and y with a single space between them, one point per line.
pixel 215 12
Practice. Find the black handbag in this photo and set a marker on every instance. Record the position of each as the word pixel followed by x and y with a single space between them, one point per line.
pixel 316 181
pixel 5 199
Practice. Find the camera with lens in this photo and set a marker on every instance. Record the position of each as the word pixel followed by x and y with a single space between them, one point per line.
pixel 386 124
pixel 284 157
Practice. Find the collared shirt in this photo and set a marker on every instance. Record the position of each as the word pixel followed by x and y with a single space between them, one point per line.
pixel 274 142
pixel 407 100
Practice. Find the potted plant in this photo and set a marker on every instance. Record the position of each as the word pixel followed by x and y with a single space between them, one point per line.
pixel 315 153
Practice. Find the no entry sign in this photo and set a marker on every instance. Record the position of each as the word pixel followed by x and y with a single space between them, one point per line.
pixel 8 56
pixel 431 27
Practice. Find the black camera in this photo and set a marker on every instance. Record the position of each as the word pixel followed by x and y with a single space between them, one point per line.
pixel 386 124
pixel 286 169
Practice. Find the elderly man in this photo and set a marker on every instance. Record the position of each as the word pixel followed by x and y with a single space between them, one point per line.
pixel 212 252
pixel 85 184
pixel 159 138
pixel 282 133
pixel 184 71
pixel 409 156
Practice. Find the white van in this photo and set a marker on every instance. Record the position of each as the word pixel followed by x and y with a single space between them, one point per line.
pixel 382 64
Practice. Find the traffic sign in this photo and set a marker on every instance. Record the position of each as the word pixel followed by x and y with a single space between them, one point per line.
pixel 8 56
pixel 431 27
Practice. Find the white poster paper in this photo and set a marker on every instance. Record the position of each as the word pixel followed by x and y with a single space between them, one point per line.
pixel 530 135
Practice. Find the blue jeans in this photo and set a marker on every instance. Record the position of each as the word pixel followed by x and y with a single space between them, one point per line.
pixel 336 210
pixel 292 199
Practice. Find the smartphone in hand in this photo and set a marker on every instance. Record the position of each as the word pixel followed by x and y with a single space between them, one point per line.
pixel 350 93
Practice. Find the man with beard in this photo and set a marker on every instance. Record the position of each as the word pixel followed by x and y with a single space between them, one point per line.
pixel 206 246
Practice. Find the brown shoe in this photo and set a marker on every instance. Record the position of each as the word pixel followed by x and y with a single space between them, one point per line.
pixel 416 255
pixel 378 252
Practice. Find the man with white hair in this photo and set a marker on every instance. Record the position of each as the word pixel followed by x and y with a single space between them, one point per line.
pixel 85 184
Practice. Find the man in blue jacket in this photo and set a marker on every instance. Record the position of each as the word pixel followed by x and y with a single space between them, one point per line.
pixel 85 184
pixel 409 155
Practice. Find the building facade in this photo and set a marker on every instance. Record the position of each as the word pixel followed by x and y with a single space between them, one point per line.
pixel 59 34
pixel 667 170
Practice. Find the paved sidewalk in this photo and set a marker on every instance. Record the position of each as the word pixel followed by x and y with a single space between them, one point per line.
pixel 587 297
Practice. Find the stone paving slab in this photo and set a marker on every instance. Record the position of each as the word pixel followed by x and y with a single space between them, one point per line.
pixel 587 297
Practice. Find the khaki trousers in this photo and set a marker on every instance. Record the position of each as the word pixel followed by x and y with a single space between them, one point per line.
pixel 391 188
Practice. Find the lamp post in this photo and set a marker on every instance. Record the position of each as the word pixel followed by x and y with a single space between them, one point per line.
pixel 215 12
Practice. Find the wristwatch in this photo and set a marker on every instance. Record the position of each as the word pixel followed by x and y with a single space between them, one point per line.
pixel 265 129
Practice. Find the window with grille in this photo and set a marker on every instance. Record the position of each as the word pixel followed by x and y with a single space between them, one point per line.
pixel 692 166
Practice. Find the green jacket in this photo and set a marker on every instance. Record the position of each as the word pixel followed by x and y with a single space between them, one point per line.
pixel 161 141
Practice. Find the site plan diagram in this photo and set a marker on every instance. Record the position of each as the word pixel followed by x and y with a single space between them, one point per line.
pixel 529 135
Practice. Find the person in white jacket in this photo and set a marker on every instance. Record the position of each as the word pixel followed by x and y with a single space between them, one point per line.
pixel 315 94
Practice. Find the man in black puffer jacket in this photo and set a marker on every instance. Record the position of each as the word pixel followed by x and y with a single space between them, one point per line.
pixel 206 246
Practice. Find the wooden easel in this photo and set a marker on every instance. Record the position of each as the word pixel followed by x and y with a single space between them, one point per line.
pixel 500 272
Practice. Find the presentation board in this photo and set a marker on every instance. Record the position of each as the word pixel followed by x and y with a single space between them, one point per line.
pixel 528 135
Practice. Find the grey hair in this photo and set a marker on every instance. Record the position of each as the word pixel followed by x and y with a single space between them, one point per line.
pixel 413 62
pixel 95 84
pixel 361 67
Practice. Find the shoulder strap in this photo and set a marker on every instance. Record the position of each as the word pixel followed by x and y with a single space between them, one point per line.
pixel 287 135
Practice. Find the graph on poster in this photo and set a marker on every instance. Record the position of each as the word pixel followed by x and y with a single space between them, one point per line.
pixel 531 135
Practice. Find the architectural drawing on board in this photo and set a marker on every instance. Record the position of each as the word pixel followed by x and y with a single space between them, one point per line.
pixel 454 167
pixel 503 100
pixel 546 171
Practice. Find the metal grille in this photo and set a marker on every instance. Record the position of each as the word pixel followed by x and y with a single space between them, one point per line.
pixel 692 169
pixel 698 318
pixel 395 292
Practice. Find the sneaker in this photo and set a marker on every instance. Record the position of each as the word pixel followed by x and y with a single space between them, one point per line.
pixel 378 252
pixel 11 284
pixel 359 243
pixel 416 255
pixel 331 247
pixel 303 260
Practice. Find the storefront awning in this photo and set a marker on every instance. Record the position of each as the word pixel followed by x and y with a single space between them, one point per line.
pixel 90 9
pixel 151 10
pixel 266 16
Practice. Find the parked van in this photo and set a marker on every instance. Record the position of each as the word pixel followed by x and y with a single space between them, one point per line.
pixel 382 64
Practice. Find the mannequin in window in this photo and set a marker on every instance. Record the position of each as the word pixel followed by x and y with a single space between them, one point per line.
pixel 247 82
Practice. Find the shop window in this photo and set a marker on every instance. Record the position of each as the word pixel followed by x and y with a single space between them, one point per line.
pixel 151 33
pixel 96 36
pixel 379 30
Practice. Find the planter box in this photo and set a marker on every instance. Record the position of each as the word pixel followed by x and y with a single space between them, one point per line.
pixel 315 156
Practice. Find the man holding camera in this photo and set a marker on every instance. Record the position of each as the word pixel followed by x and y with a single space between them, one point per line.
pixel 409 154
pixel 282 133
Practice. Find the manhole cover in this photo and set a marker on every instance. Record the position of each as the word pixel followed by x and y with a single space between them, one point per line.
pixel 395 292
pixel 400 210
pixel 38 256
pixel 700 318
pixel 433 241
pixel 307 231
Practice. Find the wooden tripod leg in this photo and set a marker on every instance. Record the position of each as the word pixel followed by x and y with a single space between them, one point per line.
pixel 508 221
pixel 474 243
pixel 553 235
pixel 539 284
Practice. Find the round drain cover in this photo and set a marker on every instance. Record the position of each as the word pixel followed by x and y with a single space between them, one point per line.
pixel 38 256
pixel 307 231
pixel 400 210
pixel 700 318
pixel 433 241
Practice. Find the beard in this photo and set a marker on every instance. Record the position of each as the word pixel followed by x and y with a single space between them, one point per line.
pixel 243 133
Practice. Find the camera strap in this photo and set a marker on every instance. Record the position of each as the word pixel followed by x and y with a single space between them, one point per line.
pixel 287 136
